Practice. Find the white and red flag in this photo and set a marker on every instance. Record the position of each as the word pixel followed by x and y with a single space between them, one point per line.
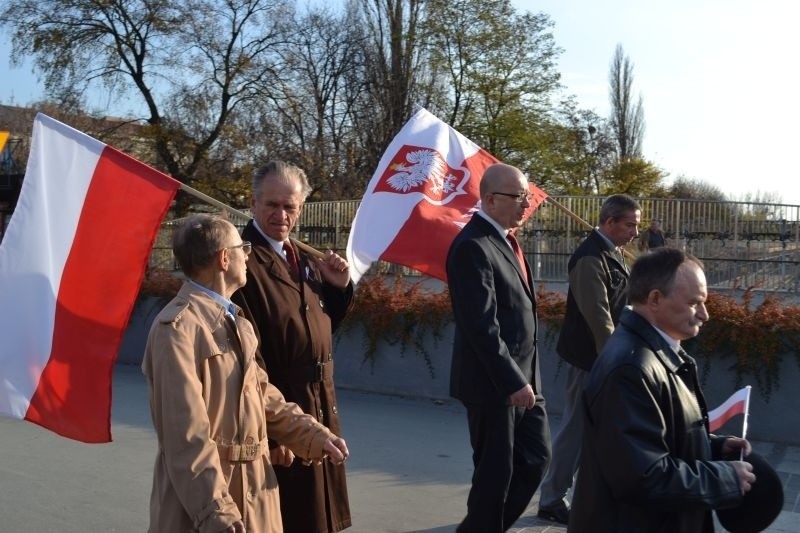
pixel 71 263
pixel 737 404
pixel 423 192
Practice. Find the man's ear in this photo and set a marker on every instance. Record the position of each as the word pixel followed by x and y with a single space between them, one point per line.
pixel 224 259
pixel 654 298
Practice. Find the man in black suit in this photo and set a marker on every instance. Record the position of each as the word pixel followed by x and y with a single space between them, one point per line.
pixel 495 371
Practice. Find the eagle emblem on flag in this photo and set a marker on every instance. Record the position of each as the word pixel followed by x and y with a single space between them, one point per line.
pixel 416 169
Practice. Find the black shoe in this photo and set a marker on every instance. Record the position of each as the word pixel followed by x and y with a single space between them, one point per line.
pixel 558 513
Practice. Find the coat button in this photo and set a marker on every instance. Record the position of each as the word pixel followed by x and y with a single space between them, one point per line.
pixel 320 415
pixel 322 304
pixel 330 356
pixel 250 496
pixel 335 410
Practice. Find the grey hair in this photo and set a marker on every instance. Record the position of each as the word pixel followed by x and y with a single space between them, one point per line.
pixel 281 170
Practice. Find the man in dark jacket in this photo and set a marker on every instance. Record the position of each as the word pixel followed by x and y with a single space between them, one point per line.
pixel 598 277
pixel 648 463
pixel 495 367
pixel 653 237
pixel 295 301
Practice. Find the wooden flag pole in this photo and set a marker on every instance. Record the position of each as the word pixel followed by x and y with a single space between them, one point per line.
pixel 316 253
pixel 213 201
pixel 585 224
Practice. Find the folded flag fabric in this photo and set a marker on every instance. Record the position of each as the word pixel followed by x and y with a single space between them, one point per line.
pixel 422 193
pixel 737 404
pixel 71 263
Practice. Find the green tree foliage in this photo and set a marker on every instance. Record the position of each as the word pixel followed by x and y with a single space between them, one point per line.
pixel 632 175
pixel 499 67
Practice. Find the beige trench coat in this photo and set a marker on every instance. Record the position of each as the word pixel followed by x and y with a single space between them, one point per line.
pixel 212 408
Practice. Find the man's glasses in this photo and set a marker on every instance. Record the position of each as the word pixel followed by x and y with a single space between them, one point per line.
pixel 518 197
pixel 246 247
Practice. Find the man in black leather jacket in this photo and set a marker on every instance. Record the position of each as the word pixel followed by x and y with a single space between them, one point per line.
pixel 648 463
pixel 598 278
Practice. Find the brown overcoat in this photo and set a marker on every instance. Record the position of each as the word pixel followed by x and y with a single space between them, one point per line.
pixel 212 409
pixel 294 321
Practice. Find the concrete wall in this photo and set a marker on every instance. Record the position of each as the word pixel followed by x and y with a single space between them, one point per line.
pixel 776 419
pixel 408 374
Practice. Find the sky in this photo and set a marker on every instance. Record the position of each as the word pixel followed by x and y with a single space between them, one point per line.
pixel 718 81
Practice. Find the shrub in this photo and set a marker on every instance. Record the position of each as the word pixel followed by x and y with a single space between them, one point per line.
pixel 399 311
pixel 159 282
pixel 755 336
pixel 396 310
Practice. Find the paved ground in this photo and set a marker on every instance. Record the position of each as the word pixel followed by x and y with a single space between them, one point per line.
pixel 409 469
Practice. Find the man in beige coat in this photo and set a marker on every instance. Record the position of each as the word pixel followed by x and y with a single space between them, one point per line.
pixel 213 407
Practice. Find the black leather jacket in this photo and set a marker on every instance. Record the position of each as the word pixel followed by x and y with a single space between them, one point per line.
pixel 647 460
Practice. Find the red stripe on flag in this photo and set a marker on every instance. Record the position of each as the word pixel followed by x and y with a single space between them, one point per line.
pixel 424 239
pixel 735 409
pixel 124 206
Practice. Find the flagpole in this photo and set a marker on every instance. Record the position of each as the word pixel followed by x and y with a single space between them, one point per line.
pixel 213 201
pixel 585 224
pixel 744 422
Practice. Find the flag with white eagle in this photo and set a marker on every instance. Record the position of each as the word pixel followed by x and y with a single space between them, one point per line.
pixel 423 192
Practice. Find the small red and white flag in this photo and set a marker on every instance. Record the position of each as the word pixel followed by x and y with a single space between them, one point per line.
pixel 423 192
pixel 71 264
pixel 737 404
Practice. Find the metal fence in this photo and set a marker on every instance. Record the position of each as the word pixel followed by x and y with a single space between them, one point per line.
pixel 742 244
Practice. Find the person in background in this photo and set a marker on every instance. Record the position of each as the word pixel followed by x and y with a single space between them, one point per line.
pixel 653 237
pixel 295 302
pixel 648 463
pixel 213 407
pixel 598 276
pixel 495 367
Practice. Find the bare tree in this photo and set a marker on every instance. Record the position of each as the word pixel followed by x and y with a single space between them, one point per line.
pixel 311 105
pixel 189 64
pixel 393 55
pixel 627 115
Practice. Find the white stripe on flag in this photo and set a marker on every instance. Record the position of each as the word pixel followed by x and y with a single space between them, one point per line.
pixel 33 253
pixel 70 267
pixel 381 215
pixel 735 405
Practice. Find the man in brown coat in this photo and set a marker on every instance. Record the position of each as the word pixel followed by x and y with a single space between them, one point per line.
pixel 295 301
pixel 213 408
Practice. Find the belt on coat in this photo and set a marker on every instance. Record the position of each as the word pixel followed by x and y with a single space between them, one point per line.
pixel 322 371
pixel 243 453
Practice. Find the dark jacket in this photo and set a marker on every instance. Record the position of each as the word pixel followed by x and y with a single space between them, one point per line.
pixel 647 461
pixel 294 323
pixel 494 347
pixel 598 281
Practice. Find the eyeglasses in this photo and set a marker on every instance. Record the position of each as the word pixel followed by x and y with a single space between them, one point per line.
pixel 518 197
pixel 246 247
